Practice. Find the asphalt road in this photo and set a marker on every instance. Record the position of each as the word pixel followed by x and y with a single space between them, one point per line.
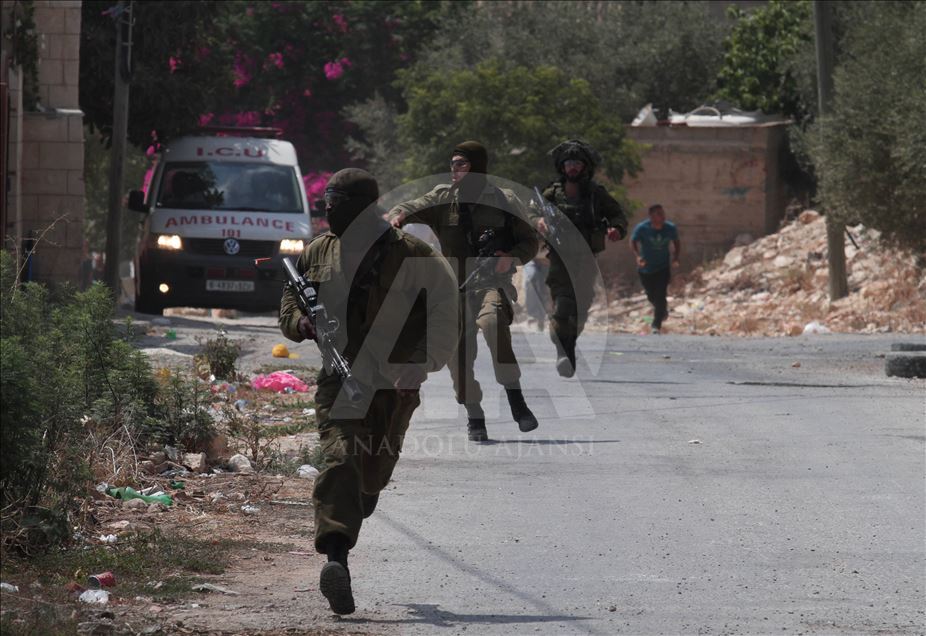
pixel 682 485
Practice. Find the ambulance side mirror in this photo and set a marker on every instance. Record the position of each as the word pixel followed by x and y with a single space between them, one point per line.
pixel 136 201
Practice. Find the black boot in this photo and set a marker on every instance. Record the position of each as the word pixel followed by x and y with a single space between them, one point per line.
pixel 334 582
pixel 369 503
pixel 519 411
pixel 566 357
pixel 476 424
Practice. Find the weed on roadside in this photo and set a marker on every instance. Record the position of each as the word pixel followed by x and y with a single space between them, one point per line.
pixel 219 356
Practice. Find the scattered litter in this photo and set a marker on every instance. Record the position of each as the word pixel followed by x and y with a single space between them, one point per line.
pixel 104 579
pixel 279 381
pixel 288 502
pixel 796 365
pixel 240 404
pixel 307 471
pixel 95 597
pixel 170 334
pixel 119 525
pixel 173 453
pixel 177 484
pixel 308 412
pixel 209 587
pixel 9 587
pixel 74 587
pixel 280 351
pixel 128 493
pixel 816 328
pixel 694 441
pixel 108 538
pixel 249 509
pixel 102 487
pixel 240 464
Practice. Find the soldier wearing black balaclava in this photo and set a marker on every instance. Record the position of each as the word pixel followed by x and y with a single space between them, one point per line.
pixel 460 214
pixel 354 268
pixel 596 215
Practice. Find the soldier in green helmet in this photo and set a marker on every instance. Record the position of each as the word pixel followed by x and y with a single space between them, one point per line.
pixel 597 216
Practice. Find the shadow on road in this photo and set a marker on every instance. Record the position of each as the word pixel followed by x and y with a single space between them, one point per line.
pixel 428 614
pixel 431 615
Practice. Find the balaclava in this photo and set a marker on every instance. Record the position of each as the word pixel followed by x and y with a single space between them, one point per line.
pixel 472 185
pixel 350 192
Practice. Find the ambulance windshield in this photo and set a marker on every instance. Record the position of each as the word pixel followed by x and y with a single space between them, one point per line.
pixel 232 186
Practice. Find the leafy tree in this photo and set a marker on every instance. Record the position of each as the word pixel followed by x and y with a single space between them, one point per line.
pixel 96 179
pixel 519 113
pixel 765 57
pixel 871 151
pixel 176 73
pixel 293 65
pixel 628 53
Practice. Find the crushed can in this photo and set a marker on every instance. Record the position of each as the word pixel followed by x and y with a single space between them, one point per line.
pixel 104 579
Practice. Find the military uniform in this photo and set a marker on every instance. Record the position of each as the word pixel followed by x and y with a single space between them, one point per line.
pixel 591 215
pixel 362 444
pixel 486 302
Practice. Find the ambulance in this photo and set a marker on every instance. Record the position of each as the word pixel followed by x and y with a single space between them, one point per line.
pixel 214 204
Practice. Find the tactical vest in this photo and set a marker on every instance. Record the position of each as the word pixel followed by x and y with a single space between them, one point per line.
pixel 582 213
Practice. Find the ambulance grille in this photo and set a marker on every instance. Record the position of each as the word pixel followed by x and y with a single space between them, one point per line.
pixel 215 247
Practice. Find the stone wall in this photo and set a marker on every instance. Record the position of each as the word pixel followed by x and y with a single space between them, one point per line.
pixel 714 183
pixel 47 167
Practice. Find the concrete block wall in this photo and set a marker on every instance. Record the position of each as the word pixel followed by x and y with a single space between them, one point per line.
pixel 714 183
pixel 51 173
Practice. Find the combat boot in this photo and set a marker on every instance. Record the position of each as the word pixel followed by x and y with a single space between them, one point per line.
pixel 566 357
pixel 334 581
pixel 476 424
pixel 519 411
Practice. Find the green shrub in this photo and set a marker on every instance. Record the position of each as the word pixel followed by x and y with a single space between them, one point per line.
pixel 220 355
pixel 68 380
pixel 183 402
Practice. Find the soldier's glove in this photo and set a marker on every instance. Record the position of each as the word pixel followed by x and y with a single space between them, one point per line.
pixel 305 328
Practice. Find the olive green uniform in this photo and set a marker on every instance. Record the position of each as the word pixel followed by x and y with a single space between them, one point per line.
pixel 361 444
pixel 486 302
pixel 572 295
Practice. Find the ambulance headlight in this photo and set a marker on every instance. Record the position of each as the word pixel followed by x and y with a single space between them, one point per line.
pixel 169 242
pixel 291 246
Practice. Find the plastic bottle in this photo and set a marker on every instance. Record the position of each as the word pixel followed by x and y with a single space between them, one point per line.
pixel 130 493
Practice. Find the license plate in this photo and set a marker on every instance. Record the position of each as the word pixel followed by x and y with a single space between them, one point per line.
pixel 230 285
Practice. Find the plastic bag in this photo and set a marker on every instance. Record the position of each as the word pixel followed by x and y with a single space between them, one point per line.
pixel 279 381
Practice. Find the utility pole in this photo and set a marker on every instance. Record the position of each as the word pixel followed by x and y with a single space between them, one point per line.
pixel 122 15
pixel 835 231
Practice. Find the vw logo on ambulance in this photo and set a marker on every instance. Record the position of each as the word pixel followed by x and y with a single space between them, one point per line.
pixel 231 246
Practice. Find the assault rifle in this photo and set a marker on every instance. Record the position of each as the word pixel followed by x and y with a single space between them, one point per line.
pixel 325 329
pixel 488 244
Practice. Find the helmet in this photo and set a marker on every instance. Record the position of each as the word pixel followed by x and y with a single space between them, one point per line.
pixel 576 149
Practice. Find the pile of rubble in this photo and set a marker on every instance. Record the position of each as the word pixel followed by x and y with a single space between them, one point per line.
pixel 778 285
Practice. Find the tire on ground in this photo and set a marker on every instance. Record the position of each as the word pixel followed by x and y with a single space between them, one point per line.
pixel 908 346
pixel 906 366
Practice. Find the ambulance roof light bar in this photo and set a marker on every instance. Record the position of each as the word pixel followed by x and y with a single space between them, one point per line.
pixel 240 131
